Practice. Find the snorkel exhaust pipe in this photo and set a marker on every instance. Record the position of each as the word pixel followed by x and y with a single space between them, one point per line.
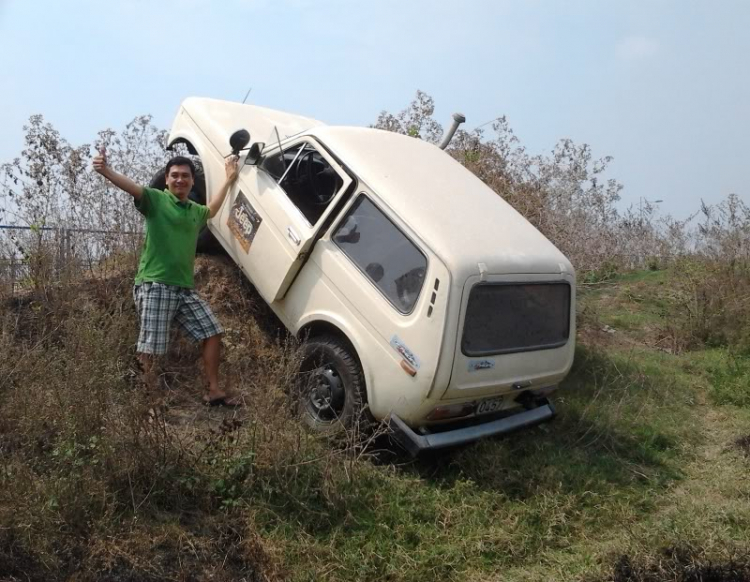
pixel 458 119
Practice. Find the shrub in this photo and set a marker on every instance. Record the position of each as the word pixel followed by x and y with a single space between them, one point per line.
pixel 709 305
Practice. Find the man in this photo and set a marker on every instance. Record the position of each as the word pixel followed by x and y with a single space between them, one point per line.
pixel 164 285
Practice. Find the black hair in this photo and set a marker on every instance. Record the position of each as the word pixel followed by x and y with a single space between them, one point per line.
pixel 180 161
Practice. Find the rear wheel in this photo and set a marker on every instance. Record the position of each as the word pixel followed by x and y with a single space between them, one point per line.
pixel 331 386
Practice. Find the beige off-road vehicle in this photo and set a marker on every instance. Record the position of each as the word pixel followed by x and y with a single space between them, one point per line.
pixel 424 298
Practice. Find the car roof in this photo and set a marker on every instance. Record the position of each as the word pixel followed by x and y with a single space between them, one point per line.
pixel 463 220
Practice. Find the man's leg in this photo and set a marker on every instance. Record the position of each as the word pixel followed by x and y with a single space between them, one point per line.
pixel 148 367
pixel 197 319
pixel 211 359
pixel 150 379
pixel 156 305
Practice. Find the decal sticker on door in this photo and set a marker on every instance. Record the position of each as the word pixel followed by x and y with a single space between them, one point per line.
pixel 243 221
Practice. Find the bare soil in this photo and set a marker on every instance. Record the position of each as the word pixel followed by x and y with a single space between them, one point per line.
pixel 680 565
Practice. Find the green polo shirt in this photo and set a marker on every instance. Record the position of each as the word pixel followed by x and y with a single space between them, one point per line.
pixel 172 229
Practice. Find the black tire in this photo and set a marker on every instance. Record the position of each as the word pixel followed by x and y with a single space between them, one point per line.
pixel 207 243
pixel 330 386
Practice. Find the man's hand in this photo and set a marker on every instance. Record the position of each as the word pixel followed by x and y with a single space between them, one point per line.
pixel 232 168
pixel 100 161
pixel 122 182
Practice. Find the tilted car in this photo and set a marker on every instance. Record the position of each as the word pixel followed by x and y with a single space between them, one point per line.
pixel 424 298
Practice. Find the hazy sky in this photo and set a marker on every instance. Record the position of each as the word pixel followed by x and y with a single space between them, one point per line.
pixel 662 86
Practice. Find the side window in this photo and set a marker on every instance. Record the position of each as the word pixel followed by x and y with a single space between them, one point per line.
pixel 307 178
pixel 383 253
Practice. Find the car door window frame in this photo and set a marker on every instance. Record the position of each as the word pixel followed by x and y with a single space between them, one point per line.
pixel 307 145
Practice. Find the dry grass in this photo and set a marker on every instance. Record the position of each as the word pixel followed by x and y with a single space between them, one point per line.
pixel 95 487
pixel 86 451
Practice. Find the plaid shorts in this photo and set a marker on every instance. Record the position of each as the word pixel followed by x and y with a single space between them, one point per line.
pixel 159 304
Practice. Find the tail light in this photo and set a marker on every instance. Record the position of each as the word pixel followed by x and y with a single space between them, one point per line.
pixel 451 411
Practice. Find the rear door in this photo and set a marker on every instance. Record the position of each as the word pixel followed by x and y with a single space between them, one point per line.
pixel 276 210
pixel 515 331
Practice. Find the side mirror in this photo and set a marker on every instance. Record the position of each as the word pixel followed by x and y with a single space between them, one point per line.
pixel 239 140
pixel 253 156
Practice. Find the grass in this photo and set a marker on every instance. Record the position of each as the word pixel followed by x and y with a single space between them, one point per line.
pixel 638 478
pixel 730 376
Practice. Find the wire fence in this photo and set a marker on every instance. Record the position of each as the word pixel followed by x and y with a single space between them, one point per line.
pixel 48 254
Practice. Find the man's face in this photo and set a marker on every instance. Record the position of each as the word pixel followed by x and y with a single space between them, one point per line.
pixel 180 181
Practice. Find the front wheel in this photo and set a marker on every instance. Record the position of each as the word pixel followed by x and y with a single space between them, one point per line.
pixel 330 385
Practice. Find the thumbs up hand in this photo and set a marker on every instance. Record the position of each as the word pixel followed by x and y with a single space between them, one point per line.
pixel 100 161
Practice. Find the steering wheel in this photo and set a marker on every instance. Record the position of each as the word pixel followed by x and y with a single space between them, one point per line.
pixel 320 196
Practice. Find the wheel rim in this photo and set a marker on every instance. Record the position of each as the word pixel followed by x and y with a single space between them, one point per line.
pixel 326 396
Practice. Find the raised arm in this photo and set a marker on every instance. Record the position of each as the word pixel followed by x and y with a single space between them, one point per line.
pixel 122 182
pixel 232 168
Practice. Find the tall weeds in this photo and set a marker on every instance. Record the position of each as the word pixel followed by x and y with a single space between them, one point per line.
pixel 85 450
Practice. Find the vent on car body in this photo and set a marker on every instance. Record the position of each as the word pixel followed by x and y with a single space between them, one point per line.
pixel 432 299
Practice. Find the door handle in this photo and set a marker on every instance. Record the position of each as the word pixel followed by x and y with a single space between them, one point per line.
pixel 293 235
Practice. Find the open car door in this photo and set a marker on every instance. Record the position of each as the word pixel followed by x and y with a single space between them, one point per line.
pixel 276 210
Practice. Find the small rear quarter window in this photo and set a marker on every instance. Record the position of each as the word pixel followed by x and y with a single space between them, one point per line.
pixel 385 255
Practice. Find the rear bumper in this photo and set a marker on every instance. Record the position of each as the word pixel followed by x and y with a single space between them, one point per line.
pixel 415 443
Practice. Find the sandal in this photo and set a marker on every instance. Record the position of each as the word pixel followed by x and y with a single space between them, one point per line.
pixel 228 401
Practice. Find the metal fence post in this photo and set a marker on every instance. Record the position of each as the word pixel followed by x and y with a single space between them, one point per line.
pixel 12 274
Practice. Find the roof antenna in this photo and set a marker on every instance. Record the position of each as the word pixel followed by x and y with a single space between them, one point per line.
pixel 247 95
pixel 278 138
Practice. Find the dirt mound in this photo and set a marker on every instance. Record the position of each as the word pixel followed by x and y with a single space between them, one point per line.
pixel 223 549
pixel 743 443
pixel 682 564
pixel 256 354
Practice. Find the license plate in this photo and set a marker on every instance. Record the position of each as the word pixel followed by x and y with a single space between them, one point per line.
pixel 490 405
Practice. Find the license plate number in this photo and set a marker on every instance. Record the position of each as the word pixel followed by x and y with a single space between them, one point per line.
pixel 490 405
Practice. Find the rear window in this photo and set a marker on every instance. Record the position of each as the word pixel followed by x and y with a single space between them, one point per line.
pixel 503 318
pixel 383 253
